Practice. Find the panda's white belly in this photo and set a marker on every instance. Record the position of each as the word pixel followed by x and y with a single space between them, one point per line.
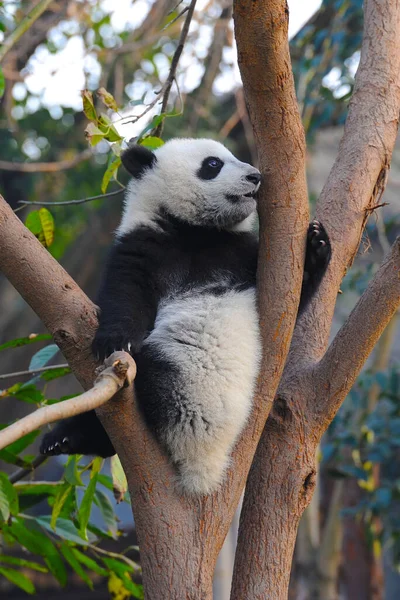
pixel 215 343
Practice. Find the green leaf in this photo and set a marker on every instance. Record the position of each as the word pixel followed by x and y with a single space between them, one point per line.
pixel 59 502
pixel 41 358
pixel 20 445
pixel 107 99
pixel 111 172
pixel 47 221
pixel 33 539
pixel 36 488
pixel 66 530
pixel 75 564
pixel 88 105
pixel 33 337
pixel 2 83
pixel 71 472
pixel 120 484
pixel 152 142
pixel 12 459
pixel 105 124
pixel 116 588
pixel 153 123
pixel 86 506
pixel 89 562
pixel 41 224
pixel 107 512
pixel 8 498
pixel 27 392
pixel 93 134
pixel 21 562
pixel 55 373
pixel 33 223
pixel 122 569
pixel 18 579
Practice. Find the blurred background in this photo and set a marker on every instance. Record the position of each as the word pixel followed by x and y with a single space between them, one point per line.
pixel 348 545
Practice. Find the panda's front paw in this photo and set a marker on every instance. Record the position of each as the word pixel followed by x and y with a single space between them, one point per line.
pixel 107 342
pixel 318 247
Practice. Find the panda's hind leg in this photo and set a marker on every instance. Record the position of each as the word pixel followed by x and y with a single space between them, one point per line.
pixel 82 434
pixel 318 255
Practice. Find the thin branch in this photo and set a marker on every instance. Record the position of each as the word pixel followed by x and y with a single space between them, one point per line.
pixel 174 64
pixel 119 371
pixel 66 202
pixel 32 372
pixel 21 473
pixel 166 87
pixel 342 362
pixel 46 167
pixel 23 27
pixel 183 11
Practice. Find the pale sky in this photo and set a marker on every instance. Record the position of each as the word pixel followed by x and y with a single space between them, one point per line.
pixel 57 79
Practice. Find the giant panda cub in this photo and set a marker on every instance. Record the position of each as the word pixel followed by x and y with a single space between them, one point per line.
pixel 179 295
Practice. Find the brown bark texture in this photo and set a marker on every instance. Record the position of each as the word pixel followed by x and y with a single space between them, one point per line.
pixel 282 476
pixel 179 537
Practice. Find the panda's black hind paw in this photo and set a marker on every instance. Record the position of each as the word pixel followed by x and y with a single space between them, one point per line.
pixel 83 434
pixel 52 445
pixel 318 246
pixel 318 255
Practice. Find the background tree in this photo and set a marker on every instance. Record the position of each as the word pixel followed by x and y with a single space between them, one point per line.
pixel 283 473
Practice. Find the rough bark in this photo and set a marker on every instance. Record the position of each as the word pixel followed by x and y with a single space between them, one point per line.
pixel 281 480
pixel 180 538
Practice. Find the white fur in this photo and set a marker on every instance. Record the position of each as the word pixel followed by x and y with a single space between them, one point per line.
pixel 173 182
pixel 215 341
pixel 212 338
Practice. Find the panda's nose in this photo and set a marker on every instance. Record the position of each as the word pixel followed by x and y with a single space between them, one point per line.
pixel 254 178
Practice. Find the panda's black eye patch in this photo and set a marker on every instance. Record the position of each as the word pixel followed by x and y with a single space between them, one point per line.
pixel 210 167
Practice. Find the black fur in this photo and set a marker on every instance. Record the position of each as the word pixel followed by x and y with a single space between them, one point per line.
pixel 136 159
pixel 210 167
pixel 144 267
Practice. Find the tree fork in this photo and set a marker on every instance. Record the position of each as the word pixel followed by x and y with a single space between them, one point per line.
pixel 286 452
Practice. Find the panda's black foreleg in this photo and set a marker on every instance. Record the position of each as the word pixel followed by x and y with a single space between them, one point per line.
pixel 318 255
pixel 82 434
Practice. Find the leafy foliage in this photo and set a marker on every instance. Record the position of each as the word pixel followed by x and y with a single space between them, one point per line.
pixel 65 536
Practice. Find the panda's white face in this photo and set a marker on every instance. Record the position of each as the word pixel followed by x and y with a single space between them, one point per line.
pixel 198 181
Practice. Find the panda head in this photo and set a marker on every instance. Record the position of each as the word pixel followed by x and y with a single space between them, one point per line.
pixel 196 180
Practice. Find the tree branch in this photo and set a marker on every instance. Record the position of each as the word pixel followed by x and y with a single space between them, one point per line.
pixel 342 362
pixel 358 177
pixel 120 369
pixel 46 167
pixel 23 27
pixel 282 477
pixel 32 372
pixel 66 202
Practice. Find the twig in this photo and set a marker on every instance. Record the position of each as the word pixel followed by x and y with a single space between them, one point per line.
pixel 23 27
pixel 166 87
pixel 65 202
pixel 175 7
pixel 119 371
pixel 174 64
pixel 32 372
pixel 46 167
pixel 21 473
pixel 183 11
pixel 370 209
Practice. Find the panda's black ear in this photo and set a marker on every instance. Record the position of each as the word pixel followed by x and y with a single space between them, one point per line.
pixel 136 159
